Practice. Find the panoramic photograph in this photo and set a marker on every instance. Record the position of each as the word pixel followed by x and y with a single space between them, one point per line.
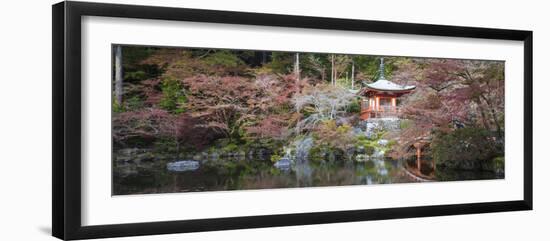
pixel 204 119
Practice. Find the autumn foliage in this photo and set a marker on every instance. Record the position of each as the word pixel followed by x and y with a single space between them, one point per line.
pixel 195 98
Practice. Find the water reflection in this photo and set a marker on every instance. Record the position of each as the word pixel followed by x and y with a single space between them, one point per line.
pixel 245 173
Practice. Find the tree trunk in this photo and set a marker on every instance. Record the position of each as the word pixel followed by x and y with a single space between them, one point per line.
pixel 352 75
pixel 493 115
pixel 483 114
pixel 297 66
pixel 118 75
pixel 418 158
pixel 264 57
pixel 332 73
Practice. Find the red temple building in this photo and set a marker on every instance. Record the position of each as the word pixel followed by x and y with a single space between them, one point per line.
pixel 380 99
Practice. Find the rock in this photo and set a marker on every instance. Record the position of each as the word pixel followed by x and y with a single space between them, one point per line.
pixel 302 147
pixel 370 128
pixel 383 142
pixel 214 155
pixel 373 125
pixel 362 158
pixel 360 150
pixel 134 155
pixel 283 163
pixel 378 154
pixel 181 166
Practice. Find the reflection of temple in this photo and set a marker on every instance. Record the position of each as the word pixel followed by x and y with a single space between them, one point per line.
pixel 380 98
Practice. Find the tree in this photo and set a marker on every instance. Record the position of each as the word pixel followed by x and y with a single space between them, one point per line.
pixel 226 104
pixel 453 94
pixel 186 131
pixel 142 124
pixel 339 64
pixel 224 62
pixel 119 78
pixel 321 102
pixel 272 126
pixel 339 137
pixel 466 148
pixel 281 62
pixel 332 72
pixel 317 64
pixel 483 83
pixel 297 66
pixel 352 74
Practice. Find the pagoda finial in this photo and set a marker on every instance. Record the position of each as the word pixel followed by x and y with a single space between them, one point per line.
pixel 381 69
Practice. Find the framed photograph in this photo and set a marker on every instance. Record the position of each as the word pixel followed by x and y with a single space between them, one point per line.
pixel 169 120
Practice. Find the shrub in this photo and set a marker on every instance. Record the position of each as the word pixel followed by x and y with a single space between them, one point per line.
pixel 466 148
pixel 354 106
pixel 231 147
pixel 496 165
pixel 173 96
pixel 369 150
pixel 117 108
pixel 337 137
pixel 134 103
pixel 274 158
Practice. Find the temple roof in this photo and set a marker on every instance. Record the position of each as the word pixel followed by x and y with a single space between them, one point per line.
pixel 386 85
pixel 382 84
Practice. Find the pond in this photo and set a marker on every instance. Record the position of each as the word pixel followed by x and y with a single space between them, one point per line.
pixel 245 173
pixel 241 173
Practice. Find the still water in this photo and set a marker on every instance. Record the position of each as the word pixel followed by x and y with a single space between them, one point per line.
pixel 242 173
pixel 239 174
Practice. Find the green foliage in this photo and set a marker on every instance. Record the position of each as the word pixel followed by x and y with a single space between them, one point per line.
pixel 369 150
pixel 466 148
pixel 117 108
pixel 139 75
pixel 281 62
pixel 134 103
pixel 336 137
pixel 164 145
pixel 344 83
pixel 224 59
pixel 274 158
pixel 173 96
pixel 230 147
pixel 498 164
pixel 391 143
pixel 315 153
pixel 369 145
pixel 134 69
pixel 354 106
pixel 133 55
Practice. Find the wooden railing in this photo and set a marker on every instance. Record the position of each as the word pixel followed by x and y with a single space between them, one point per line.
pixel 381 112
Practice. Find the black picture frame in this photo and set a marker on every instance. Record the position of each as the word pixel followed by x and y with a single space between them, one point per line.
pixel 66 128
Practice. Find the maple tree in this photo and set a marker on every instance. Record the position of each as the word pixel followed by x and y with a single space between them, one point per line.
pixel 194 97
